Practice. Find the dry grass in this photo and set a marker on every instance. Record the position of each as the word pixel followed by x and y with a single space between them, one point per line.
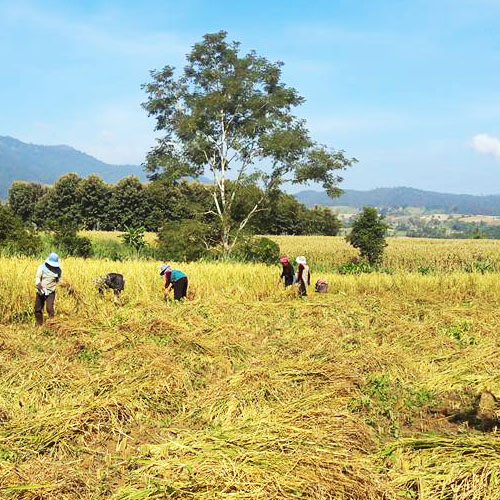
pixel 246 392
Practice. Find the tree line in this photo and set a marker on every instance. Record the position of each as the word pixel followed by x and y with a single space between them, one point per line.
pixel 92 204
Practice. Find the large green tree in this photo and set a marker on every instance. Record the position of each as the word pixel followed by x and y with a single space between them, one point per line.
pixel 22 199
pixel 128 205
pixel 14 237
pixel 171 202
pixel 61 205
pixel 320 220
pixel 231 115
pixel 94 195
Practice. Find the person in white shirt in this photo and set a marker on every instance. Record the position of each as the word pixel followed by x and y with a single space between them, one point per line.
pixel 48 276
pixel 303 275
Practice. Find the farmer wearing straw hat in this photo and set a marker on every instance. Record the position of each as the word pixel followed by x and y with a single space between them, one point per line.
pixel 303 275
pixel 288 274
pixel 176 280
pixel 47 278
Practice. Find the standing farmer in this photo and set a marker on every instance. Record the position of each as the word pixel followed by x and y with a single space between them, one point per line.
pixel 303 275
pixel 47 278
pixel 288 274
pixel 176 280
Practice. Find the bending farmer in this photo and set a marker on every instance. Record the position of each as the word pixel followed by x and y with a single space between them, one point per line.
pixel 112 281
pixel 47 278
pixel 176 280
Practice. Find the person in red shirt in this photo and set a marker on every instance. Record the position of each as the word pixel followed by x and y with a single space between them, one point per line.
pixel 174 279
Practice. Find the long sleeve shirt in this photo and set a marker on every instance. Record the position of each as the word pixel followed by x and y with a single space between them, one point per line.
pixel 287 274
pixel 303 274
pixel 46 280
pixel 173 276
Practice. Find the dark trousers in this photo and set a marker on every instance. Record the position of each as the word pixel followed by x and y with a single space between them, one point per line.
pixel 180 288
pixel 47 301
pixel 302 288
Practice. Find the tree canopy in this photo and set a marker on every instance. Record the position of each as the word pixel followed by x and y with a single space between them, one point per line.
pixel 231 115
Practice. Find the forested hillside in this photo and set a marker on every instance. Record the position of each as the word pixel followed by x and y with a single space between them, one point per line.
pixel 45 164
pixel 407 197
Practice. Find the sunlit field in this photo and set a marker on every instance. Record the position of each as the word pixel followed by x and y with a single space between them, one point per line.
pixel 402 254
pixel 380 389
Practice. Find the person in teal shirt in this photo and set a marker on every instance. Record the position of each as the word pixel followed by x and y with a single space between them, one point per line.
pixel 174 279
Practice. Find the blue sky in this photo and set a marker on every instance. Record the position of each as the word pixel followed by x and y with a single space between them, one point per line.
pixel 411 88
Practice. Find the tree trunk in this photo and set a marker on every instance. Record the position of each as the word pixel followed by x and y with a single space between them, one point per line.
pixel 226 241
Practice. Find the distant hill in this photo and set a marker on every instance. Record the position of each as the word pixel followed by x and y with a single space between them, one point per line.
pixel 45 164
pixel 407 197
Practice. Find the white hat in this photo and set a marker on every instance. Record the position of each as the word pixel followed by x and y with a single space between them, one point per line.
pixel 301 260
pixel 53 260
pixel 164 269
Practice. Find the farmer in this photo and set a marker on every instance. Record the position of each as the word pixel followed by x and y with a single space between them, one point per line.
pixel 176 280
pixel 47 278
pixel 303 275
pixel 287 274
pixel 112 281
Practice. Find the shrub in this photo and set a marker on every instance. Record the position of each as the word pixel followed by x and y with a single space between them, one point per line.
pixel 14 238
pixel 424 270
pixel 108 249
pixel 480 265
pixel 355 267
pixel 134 237
pixel 368 235
pixel 185 240
pixel 69 243
pixel 258 250
pixel 26 243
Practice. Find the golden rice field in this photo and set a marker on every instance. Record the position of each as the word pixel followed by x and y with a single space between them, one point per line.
pixel 401 254
pixel 384 388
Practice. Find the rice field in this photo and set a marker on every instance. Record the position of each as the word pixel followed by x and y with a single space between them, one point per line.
pixel 401 254
pixel 383 388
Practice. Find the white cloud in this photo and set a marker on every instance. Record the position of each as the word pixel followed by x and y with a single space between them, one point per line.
pixel 487 144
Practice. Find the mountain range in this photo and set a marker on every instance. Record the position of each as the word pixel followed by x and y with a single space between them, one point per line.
pixel 45 164
pixel 399 197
